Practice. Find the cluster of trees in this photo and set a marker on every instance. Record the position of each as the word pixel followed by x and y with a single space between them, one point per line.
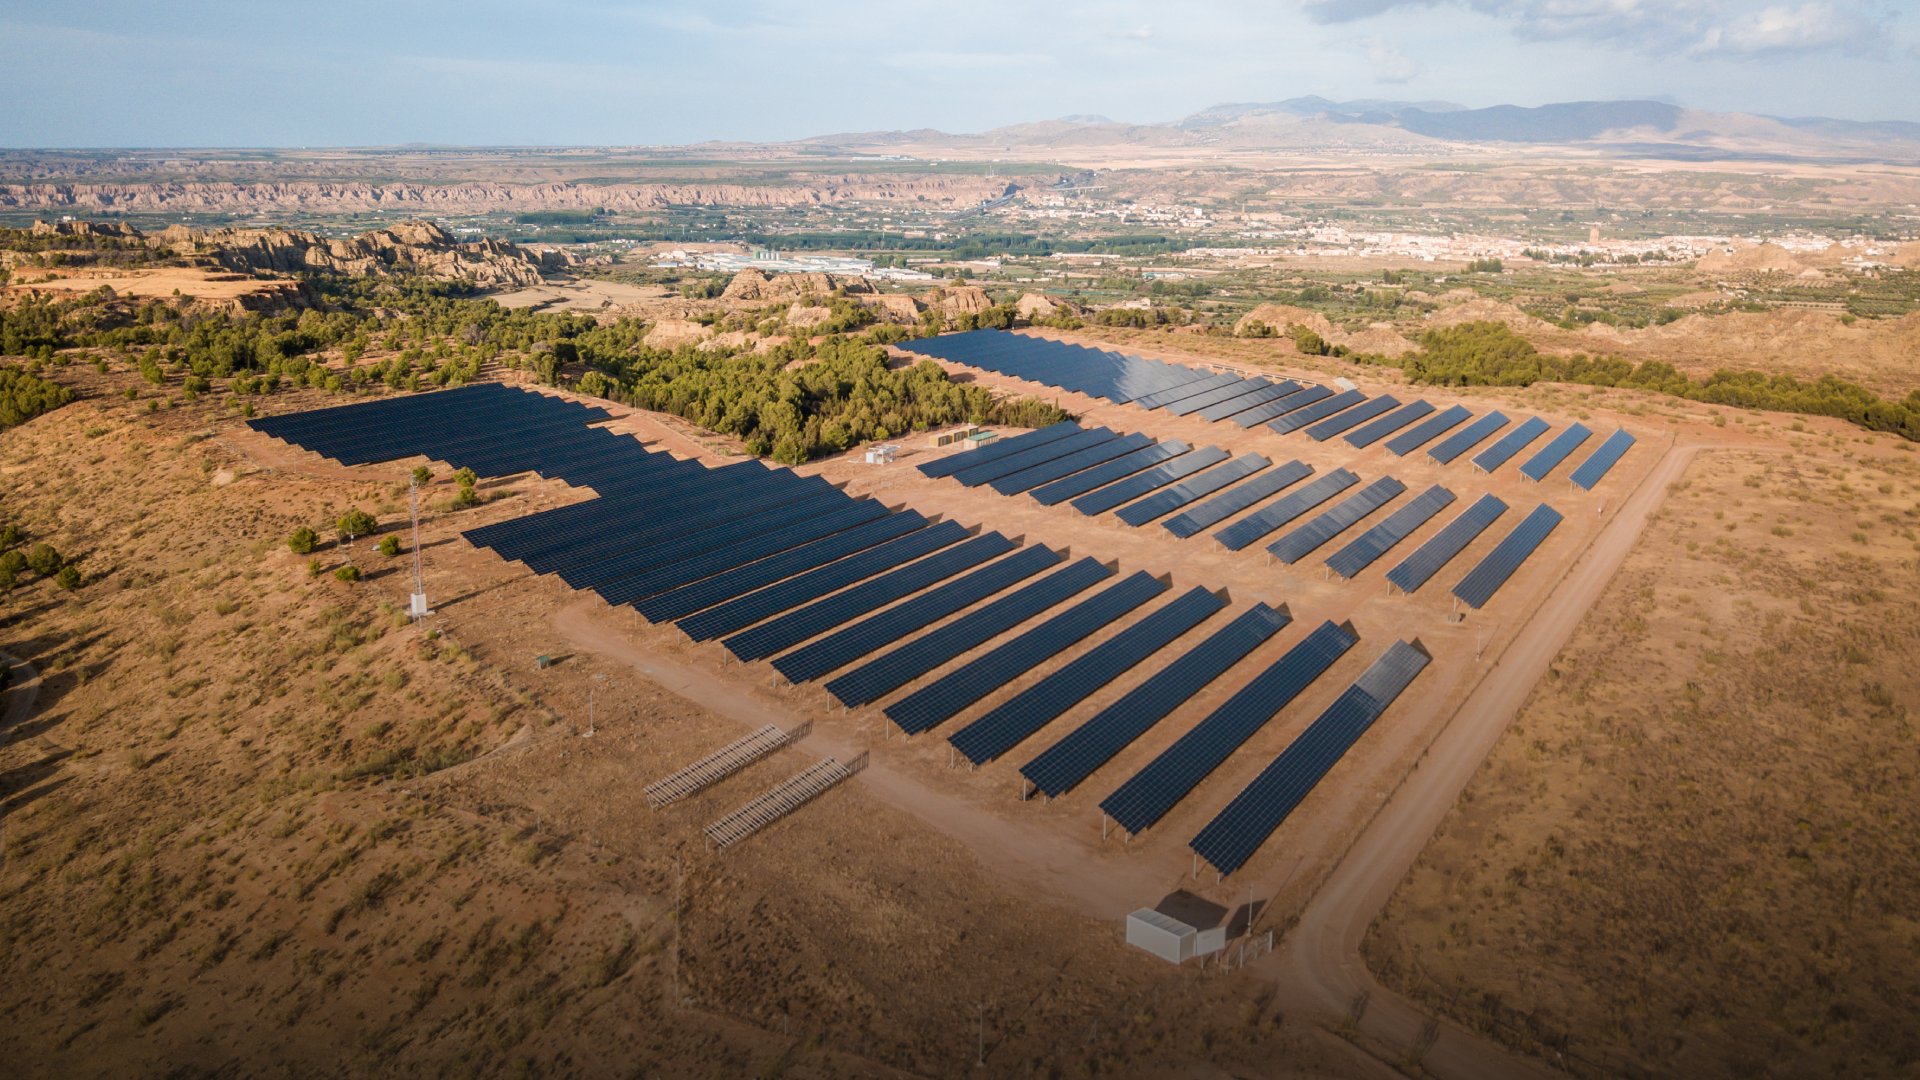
pixel 1491 354
pixel 41 559
pixel 799 400
pixel 24 396
pixel 1485 266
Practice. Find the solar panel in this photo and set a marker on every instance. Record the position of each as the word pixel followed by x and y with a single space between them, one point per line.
pixel 976 475
pixel 1510 444
pixel 882 676
pixel 1414 571
pixel 1306 539
pixel 1100 475
pixel 934 703
pixel 792 592
pixel 849 643
pixel 1591 470
pixel 1417 436
pixel 723 557
pixel 1484 580
pixel 1377 541
pixel 1165 502
pixel 1298 400
pixel 1555 452
pixel 1387 425
pixel 587 572
pixel 1186 390
pixel 1359 414
pixel 1070 464
pixel 1231 838
pixel 1139 484
pixel 1315 412
pixel 821 616
pixel 1006 725
pixel 1468 437
pixel 1147 795
pixel 1236 499
pixel 1250 400
pixel 741 580
pixel 1260 523
pixel 1240 387
pixel 997 449
pixel 1062 766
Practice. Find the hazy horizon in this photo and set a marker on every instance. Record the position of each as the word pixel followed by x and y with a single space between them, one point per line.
pixel 212 73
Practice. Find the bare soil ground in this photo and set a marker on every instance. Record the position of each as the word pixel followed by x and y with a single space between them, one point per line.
pixel 1687 856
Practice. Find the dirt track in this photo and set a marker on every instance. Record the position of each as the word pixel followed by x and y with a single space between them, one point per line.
pixel 1319 968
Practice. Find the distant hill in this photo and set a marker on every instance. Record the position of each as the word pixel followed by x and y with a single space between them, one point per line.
pixel 1642 128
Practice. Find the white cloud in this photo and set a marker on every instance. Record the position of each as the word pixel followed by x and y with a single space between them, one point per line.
pixel 1809 27
pixel 1142 33
pixel 958 61
pixel 1390 65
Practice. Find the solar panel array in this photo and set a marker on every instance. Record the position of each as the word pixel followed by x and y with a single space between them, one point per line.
pixel 1256 525
pixel 1231 838
pixel 1006 725
pixel 1427 430
pixel 1101 475
pixel 1147 796
pixel 1510 444
pixel 1359 414
pixel 1377 541
pixel 1236 499
pixel 1281 406
pixel 1319 410
pixel 1076 368
pixel 1062 766
pixel 1448 542
pixel 1164 502
pixel 1387 425
pixel 1595 467
pixel 1555 452
pixel 1307 539
pixel 1484 580
pixel 1106 498
pixel 1468 437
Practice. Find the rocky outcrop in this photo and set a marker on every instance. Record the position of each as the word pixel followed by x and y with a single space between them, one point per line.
pixel 1035 306
pixel 960 300
pixel 892 307
pixel 417 247
pixel 668 334
pixel 1278 317
pixel 751 284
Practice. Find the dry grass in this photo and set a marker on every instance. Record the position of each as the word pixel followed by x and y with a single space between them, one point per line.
pixel 1692 853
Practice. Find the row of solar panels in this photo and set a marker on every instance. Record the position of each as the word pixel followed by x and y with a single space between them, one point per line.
pixel 1284 406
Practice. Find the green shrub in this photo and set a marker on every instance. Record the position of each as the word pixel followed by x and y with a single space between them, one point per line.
pixel 358 523
pixel 348 572
pixel 44 560
pixel 302 541
pixel 68 578
pixel 390 545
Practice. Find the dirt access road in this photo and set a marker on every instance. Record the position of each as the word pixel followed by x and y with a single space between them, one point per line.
pixel 1319 967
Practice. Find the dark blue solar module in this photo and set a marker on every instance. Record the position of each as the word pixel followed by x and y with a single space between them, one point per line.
pixel 1484 580
pixel 1414 571
pixel 1603 459
pixel 1106 498
pixel 1237 389
pixel 817 618
pixel 737 582
pixel 997 449
pixel 1236 499
pixel 1147 796
pixel 932 704
pixel 1101 475
pixel 1071 760
pixel 1417 436
pixel 585 574
pixel 1048 471
pixel 1315 412
pixel 1387 425
pixel 1173 498
pixel 792 592
pixel 1359 414
pixel 721 558
pixel 1555 452
pixel 627 546
pixel 1258 524
pixel 1232 837
pixel 1250 400
pixel 1307 539
pixel 1377 541
pixel 1300 399
pixel 1510 444
pixel 880 677
pixel 1468 437
pixel 1186 390
pixel 1006 725
pixel 1076 368
pixel 975 475
pixel 850 643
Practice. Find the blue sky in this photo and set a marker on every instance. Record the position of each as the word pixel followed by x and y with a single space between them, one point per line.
pixel 270 73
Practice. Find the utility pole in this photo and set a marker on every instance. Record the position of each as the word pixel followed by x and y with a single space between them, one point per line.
pixel 418 605
pixel 981 1060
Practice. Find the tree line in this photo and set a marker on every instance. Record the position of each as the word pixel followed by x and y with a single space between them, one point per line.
pixel 1492 354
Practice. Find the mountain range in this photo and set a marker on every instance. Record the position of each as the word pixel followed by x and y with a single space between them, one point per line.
pixel 1647 128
